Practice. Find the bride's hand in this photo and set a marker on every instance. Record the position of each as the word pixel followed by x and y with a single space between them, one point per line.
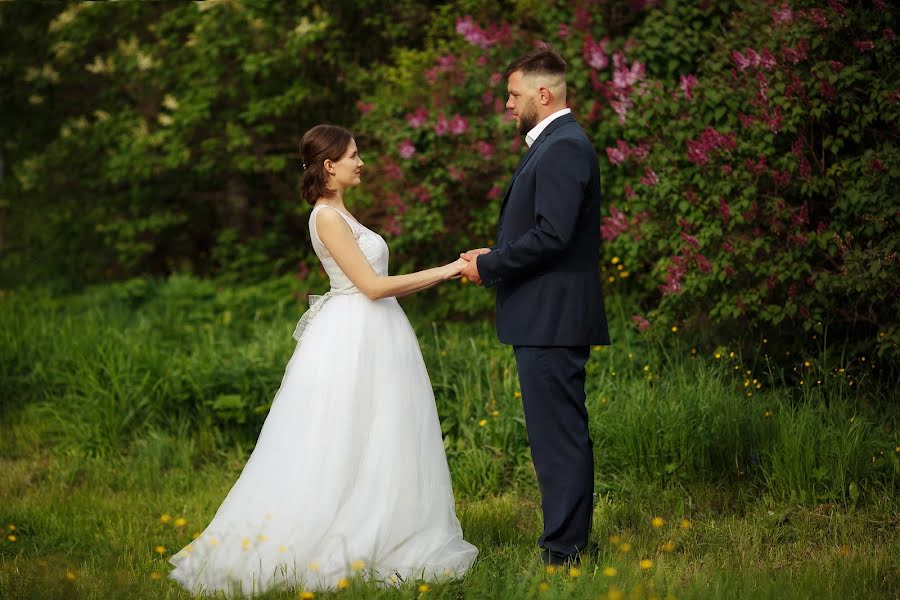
pixel 452 270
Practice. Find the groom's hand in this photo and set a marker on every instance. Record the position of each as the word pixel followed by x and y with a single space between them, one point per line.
pixel 470 271
pixel 471 254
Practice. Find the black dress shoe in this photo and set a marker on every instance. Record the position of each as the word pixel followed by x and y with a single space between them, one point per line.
pixel 551 557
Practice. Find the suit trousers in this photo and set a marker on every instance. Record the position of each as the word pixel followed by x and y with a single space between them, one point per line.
pixel 552 381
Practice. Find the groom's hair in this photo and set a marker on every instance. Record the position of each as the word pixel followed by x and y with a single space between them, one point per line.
pixel 542 60
pixel 545 62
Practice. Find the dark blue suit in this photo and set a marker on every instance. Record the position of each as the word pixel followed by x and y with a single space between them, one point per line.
pixel 546 269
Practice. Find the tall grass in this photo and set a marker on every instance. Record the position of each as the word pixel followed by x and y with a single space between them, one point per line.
pixel 143 398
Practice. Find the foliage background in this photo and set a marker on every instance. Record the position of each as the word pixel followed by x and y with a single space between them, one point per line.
pixel 748 149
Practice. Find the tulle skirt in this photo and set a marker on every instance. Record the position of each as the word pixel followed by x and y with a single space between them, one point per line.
pixel 349 474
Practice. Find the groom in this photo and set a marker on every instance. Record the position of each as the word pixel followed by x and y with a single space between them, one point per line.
pixel 545 266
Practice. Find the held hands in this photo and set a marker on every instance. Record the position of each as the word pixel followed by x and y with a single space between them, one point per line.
pixel 470 271
pixel 453 270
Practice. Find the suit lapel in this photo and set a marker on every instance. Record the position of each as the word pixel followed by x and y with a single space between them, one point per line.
pixel 549 129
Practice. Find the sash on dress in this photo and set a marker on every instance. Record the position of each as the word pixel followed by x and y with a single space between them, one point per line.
pixel 315 305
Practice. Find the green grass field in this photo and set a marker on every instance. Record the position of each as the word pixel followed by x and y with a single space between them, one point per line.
pixel 128 411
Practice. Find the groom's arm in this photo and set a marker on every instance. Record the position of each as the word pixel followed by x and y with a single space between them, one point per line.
pixel 560 180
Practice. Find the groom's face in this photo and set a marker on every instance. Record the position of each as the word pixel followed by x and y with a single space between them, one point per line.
pixel 522 101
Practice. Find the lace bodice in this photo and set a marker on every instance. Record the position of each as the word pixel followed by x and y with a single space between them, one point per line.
pixel 372 245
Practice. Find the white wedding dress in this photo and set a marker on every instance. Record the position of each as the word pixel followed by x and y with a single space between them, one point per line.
pixel 349 474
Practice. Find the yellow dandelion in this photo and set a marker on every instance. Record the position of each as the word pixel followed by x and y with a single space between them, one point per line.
pixel 517 394
pixel 806 363
pixel 611 279
pixel 667 546
pixel 11 537
pixel 768 413
pixel 482 422
pixel 314 567
pixel 646 563
pixel 718 356
pixel 685 524
pixel 155 575
pixel 282 548
pixel 614 594
pixel 196 534
pixel 657 522
pixel 180 522
pixel 550 569
pixel 543 586
pixel 624 274
pixel 423 587
pixel 358 565
pixel 731 354
pixel 160 550
pixel 343 583
pixel 574 572
pixel 619 267
pixel 70 576
pixel 646 367
pixel 610 571
pixel 165 518
pixel 625 547
pixel 615 260
pixel 615 540
pixel 495 413
pixel 11 527
pixel 674 328
pixel 463 280
pixel 306 595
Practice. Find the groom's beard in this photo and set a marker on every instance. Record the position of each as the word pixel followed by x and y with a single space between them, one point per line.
pixel 529 117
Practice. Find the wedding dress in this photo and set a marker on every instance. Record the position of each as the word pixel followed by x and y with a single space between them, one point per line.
pixel 349 474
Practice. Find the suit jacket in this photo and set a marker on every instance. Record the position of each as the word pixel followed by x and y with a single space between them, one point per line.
pixel 546 263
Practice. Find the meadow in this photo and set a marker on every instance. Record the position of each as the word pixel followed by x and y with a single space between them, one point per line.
pixel 129 409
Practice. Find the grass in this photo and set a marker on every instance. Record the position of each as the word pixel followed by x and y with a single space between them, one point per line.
pixel 143 399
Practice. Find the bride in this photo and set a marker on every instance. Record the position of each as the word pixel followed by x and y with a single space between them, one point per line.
pixel 349 474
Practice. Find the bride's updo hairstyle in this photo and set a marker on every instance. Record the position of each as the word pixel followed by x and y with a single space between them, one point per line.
pixel 321 143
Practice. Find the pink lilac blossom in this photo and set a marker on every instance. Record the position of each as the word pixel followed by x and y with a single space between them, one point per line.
pixel 582 18
pixel 494 192
pixel 364 107
pixel 774 119
pixel 727 247
pixel 417 119
pixel 797 53
pixel 673 281
pixel 393 226
pixel 563 31
pixel 837 7
pixel 702 263
pixel 724 210
pixel 817 17
pixel 864 45
pixel 750 58
pixel 458 125
pixel 442 126
pixel 781 178
pixel 595 53
pixel 483 38
pixel 406 149
pixel 690 240
pixel 456 174
pixel 421 193
pixel 783 15
pixel 397 203
pixel 629 192
pixel 614 225
pixel 687 83
pixel 879 4
pixel 795 87
pixel 821 227
pixel 495 79
pixel 827 90
pixel 640 322
pixel 392 170
pixel 650 177
pixel 889 34
pixel 619 154
pixel 708 141
pixel 485 149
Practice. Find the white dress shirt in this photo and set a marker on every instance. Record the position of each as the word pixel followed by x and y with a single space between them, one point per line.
pixel 537 129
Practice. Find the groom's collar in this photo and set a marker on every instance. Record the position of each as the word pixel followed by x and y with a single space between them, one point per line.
pixel 536 131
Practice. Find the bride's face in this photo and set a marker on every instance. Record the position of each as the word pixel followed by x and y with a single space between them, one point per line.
pixel 345 172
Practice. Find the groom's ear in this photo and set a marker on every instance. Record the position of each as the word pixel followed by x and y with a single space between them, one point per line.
pixel 545 95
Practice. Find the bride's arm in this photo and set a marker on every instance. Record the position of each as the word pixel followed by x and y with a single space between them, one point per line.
pixel 335 233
